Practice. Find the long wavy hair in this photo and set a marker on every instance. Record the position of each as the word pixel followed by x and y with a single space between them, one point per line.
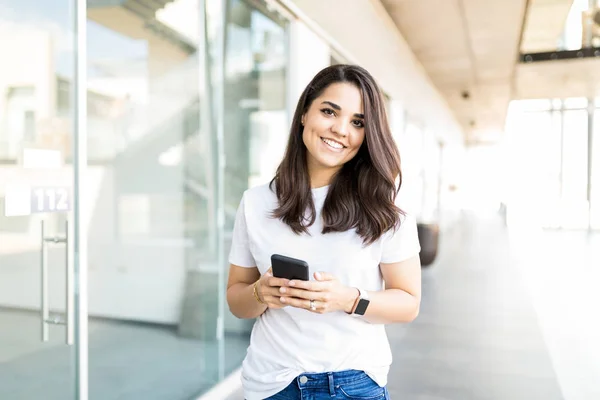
pixel 362 193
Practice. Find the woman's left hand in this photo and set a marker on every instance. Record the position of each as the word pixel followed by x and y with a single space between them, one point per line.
pixel 325 294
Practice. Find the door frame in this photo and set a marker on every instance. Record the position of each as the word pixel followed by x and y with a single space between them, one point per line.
pixel 80 226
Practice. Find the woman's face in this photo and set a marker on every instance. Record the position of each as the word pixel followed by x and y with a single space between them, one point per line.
pixel 333 127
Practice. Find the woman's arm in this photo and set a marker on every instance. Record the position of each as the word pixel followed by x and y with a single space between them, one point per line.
pixel 240 292
pixel 400 300
pixel 242 300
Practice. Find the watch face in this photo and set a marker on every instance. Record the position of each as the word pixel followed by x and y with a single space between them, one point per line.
pixel 361 307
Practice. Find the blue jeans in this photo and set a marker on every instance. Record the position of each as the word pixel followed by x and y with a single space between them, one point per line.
pixel 350 384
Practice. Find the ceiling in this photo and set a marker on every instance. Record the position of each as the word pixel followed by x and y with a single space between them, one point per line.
pixel 544 24
pixel 470 49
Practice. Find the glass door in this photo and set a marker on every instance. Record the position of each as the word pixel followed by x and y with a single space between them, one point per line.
pixel 595 171
pixel 574 207
pixel 37 298
pixel 153 265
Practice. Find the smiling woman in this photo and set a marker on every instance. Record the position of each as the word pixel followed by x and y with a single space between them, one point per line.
pixel 360 158
pixel 331 204
pixel 333 131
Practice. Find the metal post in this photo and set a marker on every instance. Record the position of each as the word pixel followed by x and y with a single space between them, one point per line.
pixel 215 11
pixel 590 148
pixel 562 152
pixel 79 149
pixel 44 310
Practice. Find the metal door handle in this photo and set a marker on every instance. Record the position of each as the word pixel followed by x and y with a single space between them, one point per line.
pixel 44 293
pixel 69 292
pixel 44 309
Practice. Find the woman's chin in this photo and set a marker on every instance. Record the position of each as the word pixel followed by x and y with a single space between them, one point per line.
pixel 330 164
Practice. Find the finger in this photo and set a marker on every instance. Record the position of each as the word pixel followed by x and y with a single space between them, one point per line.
pixel 276 292
pixel 277 282
pixel 295 302
pixel 324 276
pixel 312 286
pixel 299 293
pixel 274 302
pixel 266 290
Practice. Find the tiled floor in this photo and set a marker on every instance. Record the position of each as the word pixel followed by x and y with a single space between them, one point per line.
pixel 503 317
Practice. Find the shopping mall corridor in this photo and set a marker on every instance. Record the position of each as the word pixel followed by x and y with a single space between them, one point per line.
pixel 504 316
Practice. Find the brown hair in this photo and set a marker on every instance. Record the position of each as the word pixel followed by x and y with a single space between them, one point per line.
pixel 362 194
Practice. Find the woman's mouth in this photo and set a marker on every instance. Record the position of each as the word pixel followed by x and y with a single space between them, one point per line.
pixel 333 144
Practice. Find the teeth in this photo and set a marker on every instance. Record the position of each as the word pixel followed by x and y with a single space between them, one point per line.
pixel 333 144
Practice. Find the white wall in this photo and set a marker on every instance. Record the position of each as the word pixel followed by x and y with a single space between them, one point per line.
pixel 309 54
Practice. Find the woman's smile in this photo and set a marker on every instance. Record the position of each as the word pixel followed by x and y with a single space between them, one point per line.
pixel 333 145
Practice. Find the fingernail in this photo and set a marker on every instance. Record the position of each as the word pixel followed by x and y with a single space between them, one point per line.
pixel 318 275
pixel 282 289
pixel 282 299
pixel 291 283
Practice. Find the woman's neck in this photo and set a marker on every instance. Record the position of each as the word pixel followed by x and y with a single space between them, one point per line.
pixel 320 177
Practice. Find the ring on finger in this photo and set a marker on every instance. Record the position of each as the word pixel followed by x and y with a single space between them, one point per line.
pixel 312 305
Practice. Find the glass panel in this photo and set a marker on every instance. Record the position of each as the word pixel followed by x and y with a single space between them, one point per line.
pixel 35 187
pixel 574 207
pixel 595 209
pixel 533 188
pixel 152 231
pixel 431 177
pixel 255 123
pixel 531 105
pixel 575 103
pixel 412 154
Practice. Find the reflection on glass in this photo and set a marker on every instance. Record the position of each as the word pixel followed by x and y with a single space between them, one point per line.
pixel 35 119
pixel 152 274
pixel 256 121
pixel 595 188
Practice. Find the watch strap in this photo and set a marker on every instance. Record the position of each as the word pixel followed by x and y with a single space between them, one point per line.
pixel 360 303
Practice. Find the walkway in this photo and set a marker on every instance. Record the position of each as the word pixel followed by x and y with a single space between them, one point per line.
pixel 503 317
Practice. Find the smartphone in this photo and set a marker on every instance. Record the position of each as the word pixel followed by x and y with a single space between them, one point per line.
pixel 289 268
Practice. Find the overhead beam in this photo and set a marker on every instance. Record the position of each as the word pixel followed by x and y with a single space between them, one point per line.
pixel 586 52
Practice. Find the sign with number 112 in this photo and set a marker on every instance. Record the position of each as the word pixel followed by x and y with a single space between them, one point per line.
pixel 50 199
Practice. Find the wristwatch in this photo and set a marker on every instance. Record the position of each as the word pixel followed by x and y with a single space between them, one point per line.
pixel 362 302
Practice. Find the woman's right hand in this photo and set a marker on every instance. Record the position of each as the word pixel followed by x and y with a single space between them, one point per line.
pixel 268 290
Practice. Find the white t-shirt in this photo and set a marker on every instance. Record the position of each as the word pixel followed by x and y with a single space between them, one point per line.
pixel 290 341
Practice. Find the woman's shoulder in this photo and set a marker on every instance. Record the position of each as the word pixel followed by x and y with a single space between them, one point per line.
pixel 260 195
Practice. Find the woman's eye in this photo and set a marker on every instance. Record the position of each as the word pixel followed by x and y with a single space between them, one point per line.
pixel 327 111
pixel 358 124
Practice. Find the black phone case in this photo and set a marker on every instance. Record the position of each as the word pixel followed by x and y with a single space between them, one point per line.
pixel 289 268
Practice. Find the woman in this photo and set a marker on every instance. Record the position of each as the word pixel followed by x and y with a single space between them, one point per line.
pixel 331 204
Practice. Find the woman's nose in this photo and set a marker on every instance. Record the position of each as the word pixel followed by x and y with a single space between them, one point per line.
pixel 341 127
